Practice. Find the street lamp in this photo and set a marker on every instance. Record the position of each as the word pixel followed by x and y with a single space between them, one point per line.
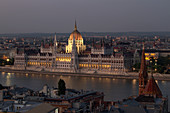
pixel 7 59
pixel 152 61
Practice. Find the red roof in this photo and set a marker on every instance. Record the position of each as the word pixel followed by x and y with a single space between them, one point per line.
pixel 152 88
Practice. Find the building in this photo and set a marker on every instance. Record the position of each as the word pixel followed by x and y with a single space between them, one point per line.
pixel 151 53
pixel 150 98
pixel 24 100
pixel 78 41
pixel 44 108
pixel 102 48
pixel 13 106
pixel 52 58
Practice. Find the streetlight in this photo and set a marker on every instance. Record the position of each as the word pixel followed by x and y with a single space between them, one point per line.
pixel 7 59
pixel 152 61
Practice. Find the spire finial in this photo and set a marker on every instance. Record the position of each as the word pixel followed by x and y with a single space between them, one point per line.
pixel 143 45
pixel 75 26
pixel 55 40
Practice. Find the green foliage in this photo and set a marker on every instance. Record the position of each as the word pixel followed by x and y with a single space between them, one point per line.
pixel 168 72
pixel 136 66
pixel 2 62
pixel 1 87
pixel 164 61
pixel 163 64
pixel 61 87
pixel 5 62
pixel 160 66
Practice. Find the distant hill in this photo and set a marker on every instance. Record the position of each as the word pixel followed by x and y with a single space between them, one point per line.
pixel 88 34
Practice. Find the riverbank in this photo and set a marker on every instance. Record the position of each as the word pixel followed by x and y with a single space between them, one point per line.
pixel 129 75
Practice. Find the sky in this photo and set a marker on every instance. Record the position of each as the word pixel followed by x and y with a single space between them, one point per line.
pixel 49 16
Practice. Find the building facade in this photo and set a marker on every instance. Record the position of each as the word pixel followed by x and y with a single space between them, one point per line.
pixel 100 60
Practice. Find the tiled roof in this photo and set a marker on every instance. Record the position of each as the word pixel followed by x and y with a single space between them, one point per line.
pixel 152 88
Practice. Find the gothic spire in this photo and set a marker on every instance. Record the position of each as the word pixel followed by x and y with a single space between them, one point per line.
pixel 55 37
pixel 75 26
pixel 74 48
pixel 143 75
pixel 103 43
pixel 55 40
pixel 93 43
pixel 111 42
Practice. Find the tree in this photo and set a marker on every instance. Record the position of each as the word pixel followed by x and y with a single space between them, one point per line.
pixel 1 87
pixel 61 87
pixel 164 61
pixel 136 66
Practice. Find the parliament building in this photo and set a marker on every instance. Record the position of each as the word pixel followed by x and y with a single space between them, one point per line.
pixel 100 60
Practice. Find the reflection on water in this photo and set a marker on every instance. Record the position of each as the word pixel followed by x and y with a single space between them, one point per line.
pixel 114 89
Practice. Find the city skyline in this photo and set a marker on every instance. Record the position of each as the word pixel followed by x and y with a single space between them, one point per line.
pixel 92 16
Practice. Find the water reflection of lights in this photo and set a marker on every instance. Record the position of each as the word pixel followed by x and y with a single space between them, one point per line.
pixel 124 81
pixel 8 76
pixel 163 82
pixel 8 81
pixel 108 79
pixel 3 73
pixel 156 81
pixel 134 81
pixel 9 73
pixel 26 74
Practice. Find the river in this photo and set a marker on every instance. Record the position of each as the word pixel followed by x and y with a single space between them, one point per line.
pixel 114 89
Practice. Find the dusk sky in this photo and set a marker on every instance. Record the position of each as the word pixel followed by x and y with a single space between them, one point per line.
pixel 48 16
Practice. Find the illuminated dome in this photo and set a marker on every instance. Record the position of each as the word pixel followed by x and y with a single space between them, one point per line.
pixel 75 34
pixel 78 41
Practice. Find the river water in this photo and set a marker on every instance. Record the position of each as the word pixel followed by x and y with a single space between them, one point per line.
pixel 114 89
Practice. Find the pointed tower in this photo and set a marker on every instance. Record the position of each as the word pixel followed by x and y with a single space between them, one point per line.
pixel 55 41
pixel 54 49
pixel 103 43
pixel 74 57
pixel 93 43
pixel 143 75
pixel 74 48
pixel 75 26
pixel 111 42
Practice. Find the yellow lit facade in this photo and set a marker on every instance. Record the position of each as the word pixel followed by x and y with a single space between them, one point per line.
pixel 149 55
pixel 103 66
pixel 63 59
pixel 38 64
pixel 78 41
